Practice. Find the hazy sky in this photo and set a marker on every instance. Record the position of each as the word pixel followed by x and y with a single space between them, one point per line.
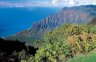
pixel 41 3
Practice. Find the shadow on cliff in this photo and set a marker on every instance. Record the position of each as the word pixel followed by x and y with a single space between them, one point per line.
pixel 93 22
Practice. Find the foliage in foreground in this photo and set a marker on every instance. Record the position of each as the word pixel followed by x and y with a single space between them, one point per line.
pixel 66 42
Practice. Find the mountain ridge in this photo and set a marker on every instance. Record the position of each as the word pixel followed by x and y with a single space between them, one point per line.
pixel 68 15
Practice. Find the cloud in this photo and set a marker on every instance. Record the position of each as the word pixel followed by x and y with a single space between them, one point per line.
pixel 29 4
pixel 85 2
pixel 24 4
pixel 71 2
pixel 8 4
pixel 54 2
pixel 51 3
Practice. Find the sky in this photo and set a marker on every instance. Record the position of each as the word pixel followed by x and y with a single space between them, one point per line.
pixel 45 3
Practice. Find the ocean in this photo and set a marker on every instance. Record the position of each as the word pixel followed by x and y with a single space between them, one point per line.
pixel 13 20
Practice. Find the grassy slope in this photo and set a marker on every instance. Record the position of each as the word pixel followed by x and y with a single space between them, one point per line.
pixel 90 57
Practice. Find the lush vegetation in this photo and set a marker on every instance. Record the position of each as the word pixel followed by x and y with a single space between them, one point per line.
pixel 68 41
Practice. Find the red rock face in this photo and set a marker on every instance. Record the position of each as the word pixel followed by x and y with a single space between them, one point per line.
pixel 72 15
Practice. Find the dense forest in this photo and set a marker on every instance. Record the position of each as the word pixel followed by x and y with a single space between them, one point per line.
pixel 68 43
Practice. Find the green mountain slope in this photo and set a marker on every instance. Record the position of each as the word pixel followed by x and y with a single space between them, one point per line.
pixel 67 41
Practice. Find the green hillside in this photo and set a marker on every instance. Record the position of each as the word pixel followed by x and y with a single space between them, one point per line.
pixel 90 57
pixel 65 43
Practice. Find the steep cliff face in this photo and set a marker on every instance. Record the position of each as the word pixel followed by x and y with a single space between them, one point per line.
pixel 68 15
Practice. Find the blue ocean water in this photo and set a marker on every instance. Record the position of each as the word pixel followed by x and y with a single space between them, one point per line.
pixel 13 20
